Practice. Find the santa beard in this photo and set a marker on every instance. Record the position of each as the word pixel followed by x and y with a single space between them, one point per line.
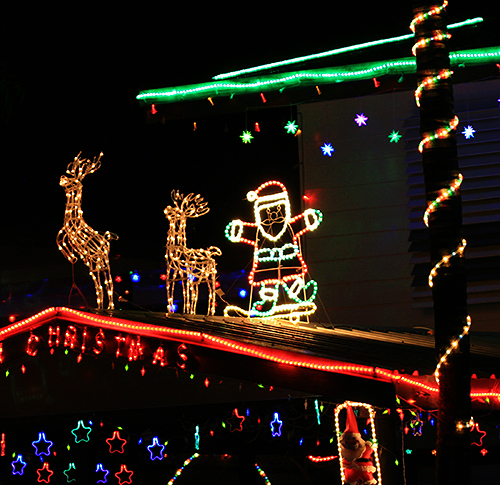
pixel 351 455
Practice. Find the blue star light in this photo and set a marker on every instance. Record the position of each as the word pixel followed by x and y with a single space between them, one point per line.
pixel 361 119
pixel 158 453
pixel 38 444
pixel 276 424
pixel 468 132
pixel 18 465
pixel 100 469
pixel 327 149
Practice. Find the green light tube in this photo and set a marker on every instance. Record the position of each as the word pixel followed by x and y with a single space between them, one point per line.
pixel 313 77
pixel 334 52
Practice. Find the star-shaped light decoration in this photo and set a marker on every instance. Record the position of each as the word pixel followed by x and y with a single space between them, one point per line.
pixel 291 127
pixel 70 473
pixel 327 149
pixel 42 446
pixel 236 421
pixel 276 424
pixel 18 465
pixel 394 137
pixel 116 442
pixel 81 432
pixel 100 469
pixel 468 132
pixel 44 473
pixel 361 119
pixel 246 137
pixel 156 450
pixel 124 475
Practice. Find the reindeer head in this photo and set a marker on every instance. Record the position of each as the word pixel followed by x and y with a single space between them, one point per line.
pixel 189 206
pixel 78 169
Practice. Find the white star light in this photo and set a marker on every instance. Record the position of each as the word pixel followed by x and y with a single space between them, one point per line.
pixel 468 132
pixel 361 119
pixel 327 149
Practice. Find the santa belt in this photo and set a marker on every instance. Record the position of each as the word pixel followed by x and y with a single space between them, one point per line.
pixel 363 460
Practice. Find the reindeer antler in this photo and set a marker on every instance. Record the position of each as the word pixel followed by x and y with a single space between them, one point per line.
pixel 194 206
pixel 80 167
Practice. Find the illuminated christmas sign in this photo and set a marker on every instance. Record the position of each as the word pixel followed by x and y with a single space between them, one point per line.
pixel 279 270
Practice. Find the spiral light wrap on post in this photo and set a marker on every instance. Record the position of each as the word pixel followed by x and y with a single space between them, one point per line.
pixel 431 82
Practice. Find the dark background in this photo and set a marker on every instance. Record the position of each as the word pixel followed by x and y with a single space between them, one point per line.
pixel 68 81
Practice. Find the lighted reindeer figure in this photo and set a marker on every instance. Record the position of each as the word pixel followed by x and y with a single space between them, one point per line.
pixel 190 266
pixel 77 238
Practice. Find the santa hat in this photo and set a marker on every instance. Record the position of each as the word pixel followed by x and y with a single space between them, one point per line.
pixel 351 423
pixel 253 195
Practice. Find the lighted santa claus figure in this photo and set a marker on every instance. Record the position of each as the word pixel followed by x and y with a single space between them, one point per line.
pixel 356 454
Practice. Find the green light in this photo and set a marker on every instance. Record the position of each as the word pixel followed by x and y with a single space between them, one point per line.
pixel 246 137
pixel 291 127
pixel 334 52
pixel 394 137
pixel 314 77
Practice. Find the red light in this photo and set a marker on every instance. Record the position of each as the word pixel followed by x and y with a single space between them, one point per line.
pixel 12 318
pixel 118 279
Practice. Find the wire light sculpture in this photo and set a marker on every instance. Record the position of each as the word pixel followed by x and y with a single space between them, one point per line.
pixel 77 239
pixel 189 266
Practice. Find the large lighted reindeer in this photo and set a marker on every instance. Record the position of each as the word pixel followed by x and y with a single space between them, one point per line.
pixel 190 266
pixel 77 239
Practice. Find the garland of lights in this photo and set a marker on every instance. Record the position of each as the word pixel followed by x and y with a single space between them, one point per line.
pixel 374 441
pixel 77 238
pixel 429 83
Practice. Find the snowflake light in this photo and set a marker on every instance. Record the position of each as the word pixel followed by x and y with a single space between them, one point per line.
pixel 327 149
pixel 246 137
pixel 77 239
pixel 394 137
pixel 278 270
pixel 468 132
pixel 189 266
pixel 361 119
pixel 291 127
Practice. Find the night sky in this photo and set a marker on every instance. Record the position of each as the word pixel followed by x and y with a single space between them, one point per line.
pixel 68 81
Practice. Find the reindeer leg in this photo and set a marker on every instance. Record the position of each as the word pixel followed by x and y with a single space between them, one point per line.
pixel 98 289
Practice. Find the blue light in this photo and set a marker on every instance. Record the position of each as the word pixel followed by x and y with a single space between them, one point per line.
pixel 135 277
pixel 243 293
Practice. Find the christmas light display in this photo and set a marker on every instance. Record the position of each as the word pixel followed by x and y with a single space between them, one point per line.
pixel 42 449
pixel 394 137
pixel 468 132
pixel 189 266
pixel 100 469
pixel 77 238
pixel 44 473
pixel 327 149
pixel 291 127
pixel 262 473
pixel 116 442
pixel 361 119
pixel 276 424
pixel 197 438
pixel 444 195
pixel 68 472
pixel 18 465
pixel 81 432
pixel 246 137
pixel 373 442
pixel 236 421
pixel 181 469
pixel 277 264
pixel 124 475
pixel 156 450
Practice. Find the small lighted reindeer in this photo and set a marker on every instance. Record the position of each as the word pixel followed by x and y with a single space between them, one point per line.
pixel 190 266
pixel 77 238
